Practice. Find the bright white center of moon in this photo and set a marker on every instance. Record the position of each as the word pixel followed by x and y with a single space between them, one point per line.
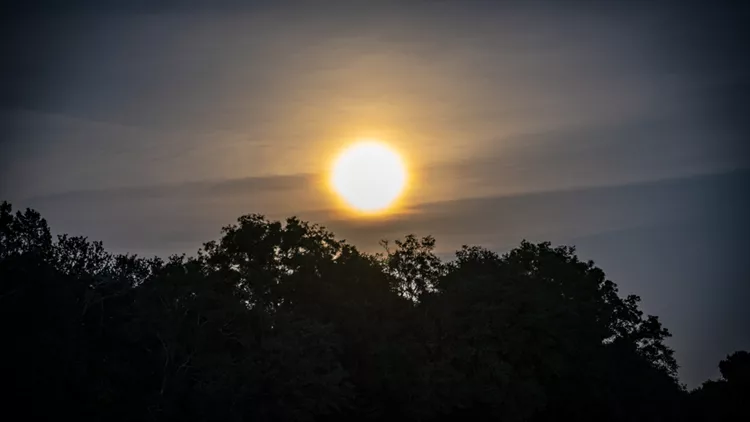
pixel 368 176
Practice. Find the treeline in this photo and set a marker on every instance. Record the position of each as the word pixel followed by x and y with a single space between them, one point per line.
pixel 283 322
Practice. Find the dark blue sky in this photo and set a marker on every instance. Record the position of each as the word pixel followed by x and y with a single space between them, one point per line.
pixel 620 128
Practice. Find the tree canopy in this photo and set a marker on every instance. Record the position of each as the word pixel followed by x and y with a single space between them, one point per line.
pixel 283 322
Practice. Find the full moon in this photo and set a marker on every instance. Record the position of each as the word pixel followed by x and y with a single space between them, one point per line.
pixel 368 176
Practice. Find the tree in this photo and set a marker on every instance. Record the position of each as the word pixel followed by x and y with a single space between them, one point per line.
pixel 540 331
pixel 725 399
pixel 281 321
pixel 414 269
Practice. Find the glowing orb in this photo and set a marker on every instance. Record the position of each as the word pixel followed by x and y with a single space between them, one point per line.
pixel 368 176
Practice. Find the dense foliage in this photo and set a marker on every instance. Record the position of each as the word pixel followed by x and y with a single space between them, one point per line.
pixel 282 322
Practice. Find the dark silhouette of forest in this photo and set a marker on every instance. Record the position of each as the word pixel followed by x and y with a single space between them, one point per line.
pixel 283 322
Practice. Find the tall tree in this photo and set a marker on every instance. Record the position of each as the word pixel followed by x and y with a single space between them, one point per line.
pixel 281 321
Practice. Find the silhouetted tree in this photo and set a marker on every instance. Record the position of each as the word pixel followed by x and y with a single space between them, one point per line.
pixel 727 398
pixel 283 322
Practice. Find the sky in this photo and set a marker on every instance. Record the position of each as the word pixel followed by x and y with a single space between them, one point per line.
pixel 619 128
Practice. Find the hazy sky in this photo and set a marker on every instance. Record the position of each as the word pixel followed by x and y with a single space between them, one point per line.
pixel 620 129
